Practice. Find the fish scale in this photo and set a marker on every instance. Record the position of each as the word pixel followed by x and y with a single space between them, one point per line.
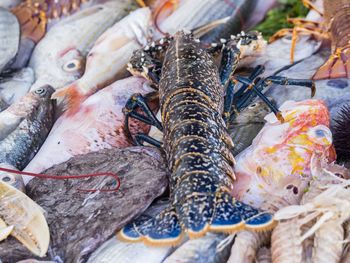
pixel 198 152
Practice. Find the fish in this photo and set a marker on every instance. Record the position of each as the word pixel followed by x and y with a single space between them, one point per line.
pixel 115 250
pixel 15 180
pixel 14 85
pixel 189 14
pixel 204 249
pixel 275 170
pixel 59 58
pixel 9 3
pixel 106 61
pixel 79 227
pixel 9 38
pixel 24 127
pixel 277 164
pixel 98 124
pixel 246 124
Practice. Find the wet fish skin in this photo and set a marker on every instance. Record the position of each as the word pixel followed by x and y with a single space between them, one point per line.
pixel 98 124
pixel 78 228
pixel 106 62
pixel 30 120
pixel 9 38
pixel 200 250
pixel 246 125
pixel 59 58
pixel 115 250
pixel 14 85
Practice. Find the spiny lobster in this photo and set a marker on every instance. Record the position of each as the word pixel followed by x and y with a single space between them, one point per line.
pixel 196 142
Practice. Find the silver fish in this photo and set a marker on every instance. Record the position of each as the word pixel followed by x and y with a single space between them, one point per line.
pixel 205 249
pixel 14 85
pixel 9 37
pixel 59 58
pixel 114 250
pixel 24 127
pixel 247 124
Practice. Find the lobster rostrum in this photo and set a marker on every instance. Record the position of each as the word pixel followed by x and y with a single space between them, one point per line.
pixel 196 143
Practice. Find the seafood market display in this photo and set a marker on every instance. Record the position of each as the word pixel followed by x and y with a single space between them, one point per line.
pixel 168 131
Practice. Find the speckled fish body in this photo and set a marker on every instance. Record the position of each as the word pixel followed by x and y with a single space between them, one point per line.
pixel 15 85
pixel 191 14
pixel 106 62
pixel 246 125
pixel 115 250
pixel 98 124
pixel 278 161
pixel 24 127
pixel 59 58
pixel 198 151
pixel 9 38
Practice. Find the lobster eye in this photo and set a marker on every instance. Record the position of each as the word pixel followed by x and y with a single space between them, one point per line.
pixel 40 91
pixel 72 65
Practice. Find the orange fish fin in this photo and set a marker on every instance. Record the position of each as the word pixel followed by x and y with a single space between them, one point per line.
pixel 337 66
pixel 70 96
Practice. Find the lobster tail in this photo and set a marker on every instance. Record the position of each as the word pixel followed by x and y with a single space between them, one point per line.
pixel 197 215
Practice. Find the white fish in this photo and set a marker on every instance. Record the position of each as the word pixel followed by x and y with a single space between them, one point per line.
pixel 59 58
pixel 106 62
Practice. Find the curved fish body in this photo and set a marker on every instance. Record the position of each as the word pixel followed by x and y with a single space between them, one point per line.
pixel 15 85
pixel 191 14
pixel 198 151
pixel 98 124
pixel 106 62
pixel 24 127
pixel 277 164
pixel 59 58
pixel 9 38
pixel 246 125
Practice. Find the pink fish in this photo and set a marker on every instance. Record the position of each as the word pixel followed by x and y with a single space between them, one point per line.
pixel 98 124
pixel 277 164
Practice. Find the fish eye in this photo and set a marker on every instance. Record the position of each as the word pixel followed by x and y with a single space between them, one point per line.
pixel 7 178
pixel 251 106
pixel 40 91
pixel 72 65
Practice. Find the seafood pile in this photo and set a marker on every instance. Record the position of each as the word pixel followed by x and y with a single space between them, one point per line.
pixel 169 131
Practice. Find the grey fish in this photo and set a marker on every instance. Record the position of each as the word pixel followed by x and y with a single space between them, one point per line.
pixel 80 222
pixel 14 85
pixel 59 58
pixel 9 37
pixel 9 3
pixel 201 250
pixel 325 89
pixel 247 124
pixel 115 251
pixel 196 13
pixel 24 127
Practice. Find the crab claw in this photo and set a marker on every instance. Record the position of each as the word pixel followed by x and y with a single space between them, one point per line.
pixel 26 217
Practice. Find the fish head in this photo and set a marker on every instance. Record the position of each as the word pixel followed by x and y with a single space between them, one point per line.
pixel 279 159
pixel 44 92
pixel 63 68
pixel 13 179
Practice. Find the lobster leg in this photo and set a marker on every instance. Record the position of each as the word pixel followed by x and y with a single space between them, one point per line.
pixel 138 101
pixel 140 138
pixel 286 81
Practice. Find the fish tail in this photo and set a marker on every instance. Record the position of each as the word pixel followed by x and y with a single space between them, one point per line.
pixel 337 65
pixel 197 215
pixel 70 96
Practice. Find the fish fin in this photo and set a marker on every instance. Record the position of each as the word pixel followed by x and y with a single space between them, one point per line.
pixel 337 66
pixel 163 230
pixel 70 96
pixel 231 215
